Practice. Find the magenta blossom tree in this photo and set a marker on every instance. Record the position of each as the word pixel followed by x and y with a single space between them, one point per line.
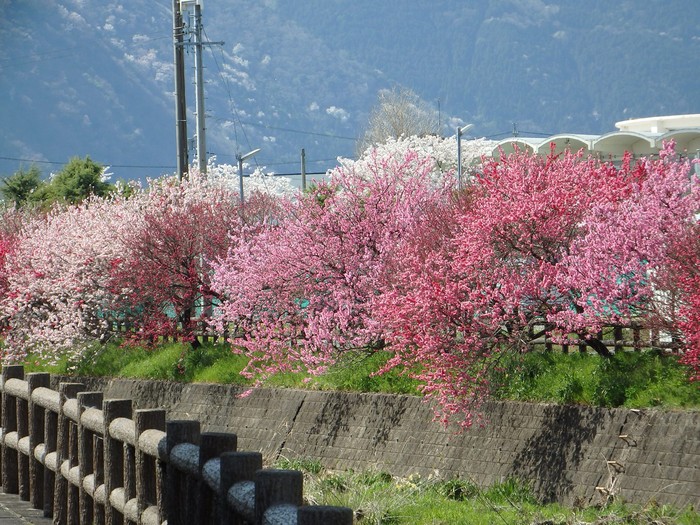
pixel 683 276
pixel 559 242
pixel 162 279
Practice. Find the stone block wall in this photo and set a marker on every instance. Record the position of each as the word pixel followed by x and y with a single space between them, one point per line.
pixel 571 454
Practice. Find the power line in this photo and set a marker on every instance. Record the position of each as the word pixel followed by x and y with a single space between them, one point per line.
pixel 237 118
pixel 291 130
pixel 227 86
pixel 34 161
pixel 295 174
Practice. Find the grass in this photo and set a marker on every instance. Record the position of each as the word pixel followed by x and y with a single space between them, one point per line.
pixel 628 379
pixel 632 380
pixel 216 363
pixel 381 499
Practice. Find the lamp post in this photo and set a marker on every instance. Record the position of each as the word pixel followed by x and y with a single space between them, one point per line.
pixel 240 158
pixel 460 132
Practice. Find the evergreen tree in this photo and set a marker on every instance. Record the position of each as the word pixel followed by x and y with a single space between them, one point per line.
pixel 78 179
pixel 19 187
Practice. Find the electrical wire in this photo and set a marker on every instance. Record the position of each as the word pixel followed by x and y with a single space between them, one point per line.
pixel 109 164
pixel 227 86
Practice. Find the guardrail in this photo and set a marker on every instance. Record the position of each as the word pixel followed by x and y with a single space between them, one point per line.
pixel 84 459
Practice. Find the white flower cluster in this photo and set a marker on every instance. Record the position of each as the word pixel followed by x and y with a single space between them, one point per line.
pixel 258 181
pixel 443 151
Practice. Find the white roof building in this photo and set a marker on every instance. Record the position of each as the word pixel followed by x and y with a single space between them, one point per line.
pixel 642 136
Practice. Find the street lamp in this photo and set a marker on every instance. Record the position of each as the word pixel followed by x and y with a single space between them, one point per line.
pixel 460 132
pixel 240 158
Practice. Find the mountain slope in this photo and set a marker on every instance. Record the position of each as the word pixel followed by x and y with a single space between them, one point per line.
pixel 94 77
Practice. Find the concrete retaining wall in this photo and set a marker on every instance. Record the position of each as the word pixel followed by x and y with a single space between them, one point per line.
pixel 574 455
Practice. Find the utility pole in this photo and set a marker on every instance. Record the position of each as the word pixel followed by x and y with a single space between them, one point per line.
pixel 461 131
pixel 303 170
pixel 199 90
pixel 180 101
pixel 194 9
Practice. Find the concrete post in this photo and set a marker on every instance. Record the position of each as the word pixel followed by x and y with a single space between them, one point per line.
pixel 321 515
pixel 277 487
pixel 147 479
pixel 212 445
pixel 99 471
pixel 235 468
pixel 113 456
pixel 60 506
pixel 36 437
pixel 86 454
pixel 50 442
pixel 10 479
pixel 179 490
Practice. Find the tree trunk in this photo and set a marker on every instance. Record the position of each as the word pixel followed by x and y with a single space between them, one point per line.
pixel 597 345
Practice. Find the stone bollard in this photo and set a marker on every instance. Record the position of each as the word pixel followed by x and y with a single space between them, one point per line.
pixel 277 488
pixel 180 490
pixel 212 445
pixel 322 515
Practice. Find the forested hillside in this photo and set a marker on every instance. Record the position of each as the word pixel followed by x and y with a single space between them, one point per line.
pixel 91 77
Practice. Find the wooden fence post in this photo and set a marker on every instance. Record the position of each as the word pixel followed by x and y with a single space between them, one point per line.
pixel 637 337
pixel 10 478
pixel 86 454
pixel 619 338
pixel 277 487
pixel 582 345
pixel 212 445
pixel 179 489
pixel 113 455
pixel 36 436
pixel 147 479
pixel 236 467
pixel 66 391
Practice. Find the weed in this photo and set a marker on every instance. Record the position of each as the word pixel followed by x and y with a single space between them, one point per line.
pixel 512 491
pixel 457 489
pixel 307 465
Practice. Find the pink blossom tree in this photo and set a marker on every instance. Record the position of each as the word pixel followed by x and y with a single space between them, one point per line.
pixel 303 289
pixel 142 259
pixel 6 247
pixel 441 150
pixel 619 267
